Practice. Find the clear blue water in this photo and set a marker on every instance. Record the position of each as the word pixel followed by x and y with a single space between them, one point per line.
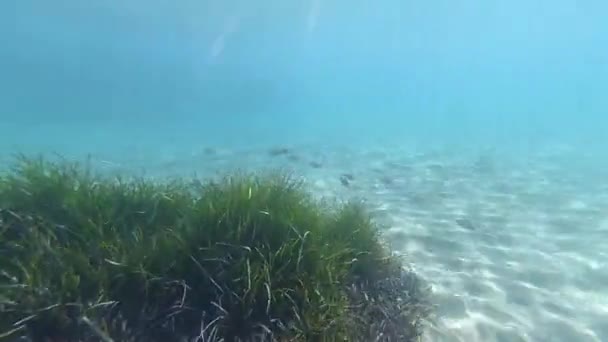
pixel 512 77
pixel 480 72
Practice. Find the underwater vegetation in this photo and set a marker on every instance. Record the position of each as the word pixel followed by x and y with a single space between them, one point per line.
pixel 248 257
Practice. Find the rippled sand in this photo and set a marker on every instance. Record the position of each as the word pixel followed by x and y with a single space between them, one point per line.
pixel 516 248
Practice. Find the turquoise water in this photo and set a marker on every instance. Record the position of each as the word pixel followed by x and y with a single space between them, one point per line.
pixel 523 83
pixel 482 72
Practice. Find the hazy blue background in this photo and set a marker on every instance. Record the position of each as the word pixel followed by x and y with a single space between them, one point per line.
pixel 490 72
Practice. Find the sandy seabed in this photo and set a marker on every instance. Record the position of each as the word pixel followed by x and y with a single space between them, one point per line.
pixel 516 248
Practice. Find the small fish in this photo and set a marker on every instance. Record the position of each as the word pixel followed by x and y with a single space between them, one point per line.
pixel 279 151
pixel 466 224
pixel 315 164
pixel 346 178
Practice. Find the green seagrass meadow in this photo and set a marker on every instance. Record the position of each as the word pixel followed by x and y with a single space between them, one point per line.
pixel 248 257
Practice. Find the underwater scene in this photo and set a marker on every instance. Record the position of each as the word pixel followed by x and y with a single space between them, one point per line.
pixel 304 170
